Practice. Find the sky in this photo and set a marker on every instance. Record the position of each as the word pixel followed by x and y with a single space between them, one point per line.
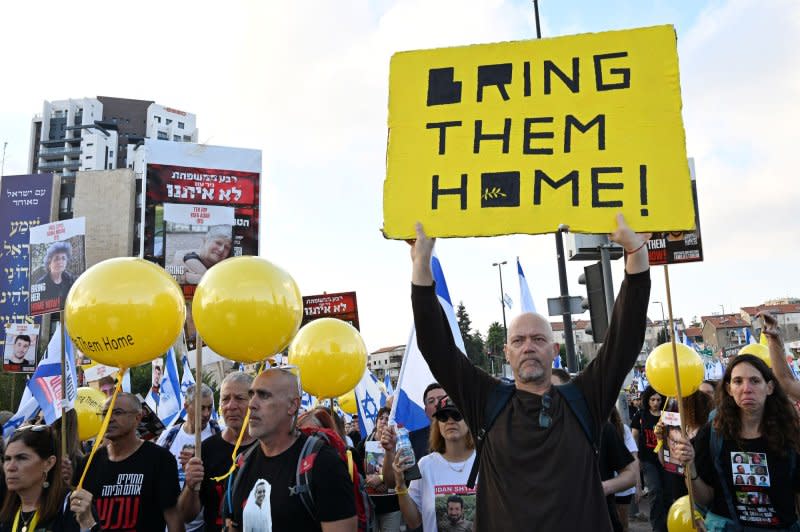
pixel 307 83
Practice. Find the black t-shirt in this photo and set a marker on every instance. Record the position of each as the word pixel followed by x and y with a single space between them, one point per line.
pixel 645 422
pixel 331 489
pixel 133 494
pixel 758 481
pixel 216 454
pixel 614 456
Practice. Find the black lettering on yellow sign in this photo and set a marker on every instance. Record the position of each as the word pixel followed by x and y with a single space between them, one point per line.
pixel 502 189
pixel 529 133
pixel 443 89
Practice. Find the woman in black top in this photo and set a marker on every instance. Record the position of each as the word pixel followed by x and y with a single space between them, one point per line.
pixel 37 498
pixel 755 427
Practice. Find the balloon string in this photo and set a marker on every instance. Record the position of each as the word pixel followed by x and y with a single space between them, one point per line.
pixel 239 439
pixel 103 427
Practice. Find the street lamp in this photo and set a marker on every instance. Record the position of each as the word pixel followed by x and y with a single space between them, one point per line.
pixel 502 294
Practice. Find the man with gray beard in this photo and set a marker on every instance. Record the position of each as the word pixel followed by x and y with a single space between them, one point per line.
pixel 538 469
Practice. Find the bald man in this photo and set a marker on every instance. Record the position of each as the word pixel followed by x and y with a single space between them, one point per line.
pixel 274 402
pixel 134 482
pixel 536 451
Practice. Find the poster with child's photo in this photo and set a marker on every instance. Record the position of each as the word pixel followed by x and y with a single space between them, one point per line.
pixel 19 355
pixel 455 508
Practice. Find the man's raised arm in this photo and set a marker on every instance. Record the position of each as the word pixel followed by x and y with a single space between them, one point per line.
pixel 777 356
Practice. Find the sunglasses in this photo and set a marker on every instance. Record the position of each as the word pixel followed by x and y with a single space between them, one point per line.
pixel 34 428
pixel 544 414
pixel 444 416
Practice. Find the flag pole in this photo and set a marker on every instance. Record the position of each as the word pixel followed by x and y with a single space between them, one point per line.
pixel 679 394
pixel 198 396
pixel 63 333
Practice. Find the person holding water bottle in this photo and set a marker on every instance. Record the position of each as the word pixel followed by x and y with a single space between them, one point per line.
pixel 444 473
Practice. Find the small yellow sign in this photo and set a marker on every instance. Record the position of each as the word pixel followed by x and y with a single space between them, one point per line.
pixel 520 137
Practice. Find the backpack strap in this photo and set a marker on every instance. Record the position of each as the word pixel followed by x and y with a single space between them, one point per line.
pixel 235 478
pixel 303 476
pixel 499 396
pixel 715 446
pixel 577 403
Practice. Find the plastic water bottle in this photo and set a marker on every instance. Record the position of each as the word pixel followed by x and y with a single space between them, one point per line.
pixel 405 451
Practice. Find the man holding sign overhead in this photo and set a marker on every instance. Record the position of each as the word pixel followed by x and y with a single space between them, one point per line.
pixel 538 450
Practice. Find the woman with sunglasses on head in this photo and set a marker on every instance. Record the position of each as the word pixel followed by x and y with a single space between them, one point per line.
pixel 38 499
pixel 754 418
pixel 444 475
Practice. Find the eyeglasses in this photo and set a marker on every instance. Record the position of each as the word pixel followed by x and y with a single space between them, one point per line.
pixel 117 412
pixel 544 414
pixel 444 416
pixel 34 428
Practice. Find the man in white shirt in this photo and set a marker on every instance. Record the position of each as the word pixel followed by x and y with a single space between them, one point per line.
pixel 180 439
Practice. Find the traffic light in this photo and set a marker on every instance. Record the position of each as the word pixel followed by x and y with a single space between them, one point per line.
pixel 595 300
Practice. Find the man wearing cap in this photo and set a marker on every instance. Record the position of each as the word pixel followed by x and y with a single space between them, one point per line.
pixel 536 450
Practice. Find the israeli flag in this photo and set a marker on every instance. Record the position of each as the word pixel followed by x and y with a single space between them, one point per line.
pixel 169 400
pixel 507 301
pixel 407 408
pixel 748 336
pixel 28 408
pixel 369 399
pixel 306 401
pixel 387 383
pixel 45 384
pixel 525 299
pixel 557 361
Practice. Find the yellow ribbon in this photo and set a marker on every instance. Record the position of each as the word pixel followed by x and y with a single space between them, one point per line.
pixel 239 439
pixel 30 526
pixel 99 439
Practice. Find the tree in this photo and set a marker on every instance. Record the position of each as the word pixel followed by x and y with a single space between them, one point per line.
pixel 663 336
pixel 475 349
pixel 495 341
pixel 464 321
pixel 473 342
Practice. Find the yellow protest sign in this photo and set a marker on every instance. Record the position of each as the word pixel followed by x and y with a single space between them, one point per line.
pixel 519 137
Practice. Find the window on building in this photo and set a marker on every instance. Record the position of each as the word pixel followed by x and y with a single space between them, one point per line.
pixel 158 119
pixel 89 156
pixel 162 135
pixel 176 138
pixel 180 125
pixel 169 121
pixel 187 138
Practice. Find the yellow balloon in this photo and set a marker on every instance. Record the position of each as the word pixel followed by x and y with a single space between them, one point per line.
pixel 331 356
pixel 247 309
pixel 660 370
pixel 124 312
pixel 759 350
pixel 679 518
pixel 347 402
pixel 89 408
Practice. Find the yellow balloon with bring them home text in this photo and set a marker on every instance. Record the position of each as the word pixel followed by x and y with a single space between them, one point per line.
pixel 125 311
